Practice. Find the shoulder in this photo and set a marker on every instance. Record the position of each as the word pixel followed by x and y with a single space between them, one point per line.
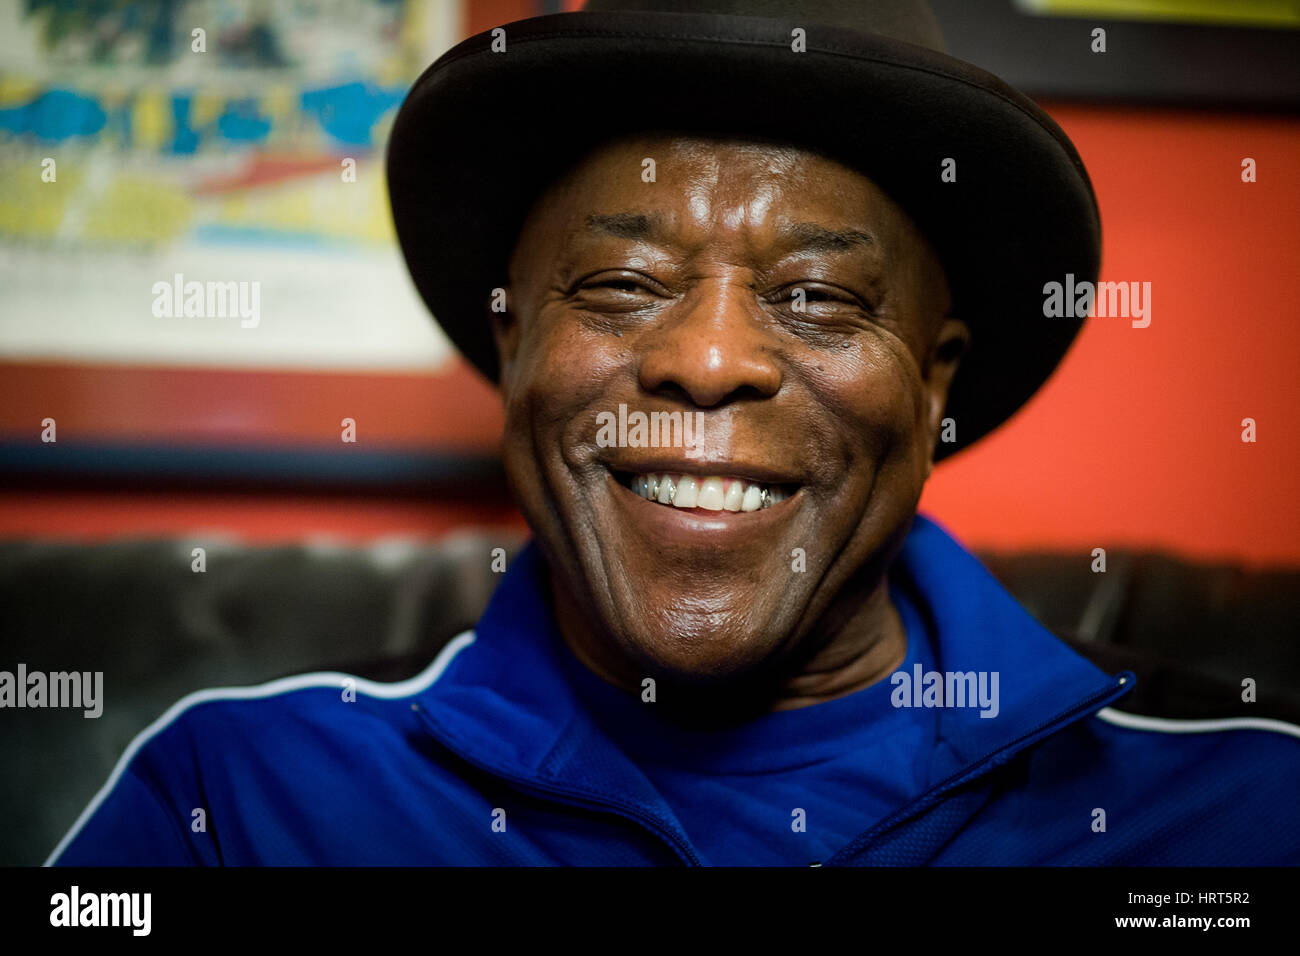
pixel 252 757
pixel 1252 761
pixel 1270 732
pixel 319 700
pixel 1175 792
pixel 1247 741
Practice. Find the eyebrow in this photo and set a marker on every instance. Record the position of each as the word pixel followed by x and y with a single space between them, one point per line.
pixel 627 225
pixel 814 238
pixel 804 236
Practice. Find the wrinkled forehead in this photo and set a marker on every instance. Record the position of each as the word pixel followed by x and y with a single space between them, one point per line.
pixel 694 153
pixel 698 182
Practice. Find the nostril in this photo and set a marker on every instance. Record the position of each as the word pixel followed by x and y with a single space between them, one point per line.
pixel 674 393
pixel 709 383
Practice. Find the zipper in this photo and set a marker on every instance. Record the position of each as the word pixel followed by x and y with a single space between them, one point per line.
pixel 932 796
pixel 574 798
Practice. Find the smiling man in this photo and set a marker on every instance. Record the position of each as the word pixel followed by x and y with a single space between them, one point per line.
pixel 793 302
pixel 825 242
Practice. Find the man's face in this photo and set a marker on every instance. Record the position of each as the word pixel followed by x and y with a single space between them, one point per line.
pixel 787 300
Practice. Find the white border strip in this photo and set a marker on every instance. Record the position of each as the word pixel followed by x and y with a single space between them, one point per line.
pixel 1168 725
pixel 284 685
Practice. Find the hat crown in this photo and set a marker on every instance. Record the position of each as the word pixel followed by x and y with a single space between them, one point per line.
pixel 909 20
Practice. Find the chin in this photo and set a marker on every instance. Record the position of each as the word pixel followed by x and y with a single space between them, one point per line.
pixel 706 650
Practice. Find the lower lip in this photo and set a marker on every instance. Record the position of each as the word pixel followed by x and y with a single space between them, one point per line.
pixel 667 525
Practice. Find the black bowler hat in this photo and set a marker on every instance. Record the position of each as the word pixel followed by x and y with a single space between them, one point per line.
pixel 483 132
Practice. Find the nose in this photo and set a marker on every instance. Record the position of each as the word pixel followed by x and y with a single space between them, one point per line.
pixel 714 347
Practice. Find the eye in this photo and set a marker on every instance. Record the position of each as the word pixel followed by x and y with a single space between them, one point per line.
pixel 814 294
pixel 621 291
pixel 619 285
pixel 827 298
pixel 621 281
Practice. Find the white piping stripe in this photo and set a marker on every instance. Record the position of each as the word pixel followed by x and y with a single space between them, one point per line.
pixel 1170 726
pixel 284 685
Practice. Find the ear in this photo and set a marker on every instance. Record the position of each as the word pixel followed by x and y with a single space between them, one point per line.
pixel 505 333
pixel 950 343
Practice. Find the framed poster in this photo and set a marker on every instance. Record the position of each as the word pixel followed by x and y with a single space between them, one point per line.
pixel 198 274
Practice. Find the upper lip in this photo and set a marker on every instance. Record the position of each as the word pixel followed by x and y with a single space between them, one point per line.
pixel 703 468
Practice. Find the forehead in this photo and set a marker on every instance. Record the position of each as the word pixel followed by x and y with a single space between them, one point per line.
pixel 700 186
pixel 719 163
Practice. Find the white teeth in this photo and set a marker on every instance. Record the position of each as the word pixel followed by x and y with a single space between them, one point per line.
pixel 735 496
pixel 687 491
pixel 712 493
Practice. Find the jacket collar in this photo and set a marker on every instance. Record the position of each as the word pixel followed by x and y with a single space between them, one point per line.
pixel 978 626
pixel 506 705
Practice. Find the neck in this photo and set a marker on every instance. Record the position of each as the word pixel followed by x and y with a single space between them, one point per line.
pixel 866 647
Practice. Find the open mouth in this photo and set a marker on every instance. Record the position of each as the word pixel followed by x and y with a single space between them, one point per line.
pixel 707 493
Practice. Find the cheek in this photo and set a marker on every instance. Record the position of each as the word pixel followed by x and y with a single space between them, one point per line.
pixel 557 346
pixel 560 376
pixel 874 390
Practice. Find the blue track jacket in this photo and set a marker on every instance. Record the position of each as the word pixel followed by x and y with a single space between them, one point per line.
pixel 294 772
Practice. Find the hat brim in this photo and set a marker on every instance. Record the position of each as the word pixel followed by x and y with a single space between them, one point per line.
pixel 482 133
